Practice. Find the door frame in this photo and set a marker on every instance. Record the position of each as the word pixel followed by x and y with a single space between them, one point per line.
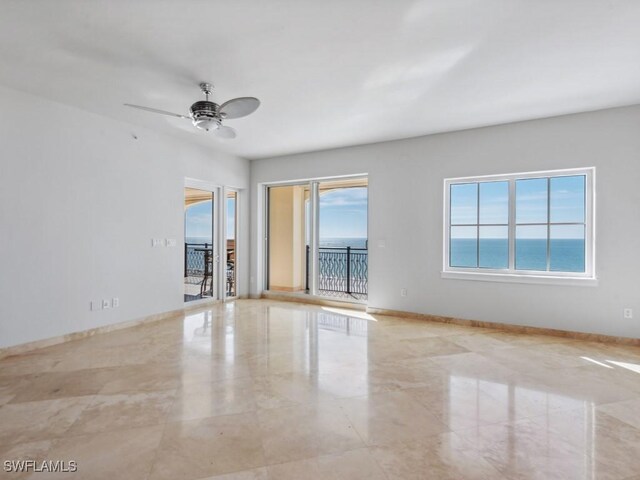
pixel 225 221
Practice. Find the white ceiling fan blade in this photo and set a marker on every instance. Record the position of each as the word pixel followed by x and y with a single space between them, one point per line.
pixel 155 110
pixel 225 132
pixel 239 107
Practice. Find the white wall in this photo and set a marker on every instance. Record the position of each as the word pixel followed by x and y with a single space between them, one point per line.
pixel 80 200
pixel 406 205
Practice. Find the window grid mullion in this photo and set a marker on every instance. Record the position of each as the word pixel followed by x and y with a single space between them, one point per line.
pixel 488 224
pixel 512 225
pixel 478 227
pixel 545 223
pixel 548 224
pixel 450 228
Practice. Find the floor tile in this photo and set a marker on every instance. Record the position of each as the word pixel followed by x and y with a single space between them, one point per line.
pixel 351 465
pixel 465 404
pixel 41 420
pixel 478 342
pixel 290 389
pixel 391 417
pixel 122 454
pixel 612 444
pixel 526 449
pixel 50 385
pixel 255 474
pixel 444 457
pixel 206 447
pixel 113 412
pixel 143 378
pixel 627 411
pixel 30 451
pixel 294 433
pixel 208 399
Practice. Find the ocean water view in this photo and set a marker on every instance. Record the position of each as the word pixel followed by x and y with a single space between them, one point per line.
pixel 198 240
pixel 329 242
pixel 566 255
pixel 343 242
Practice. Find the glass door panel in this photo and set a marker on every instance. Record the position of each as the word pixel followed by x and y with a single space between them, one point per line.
pixel 288 252
pixel 343 241
pixel 199 251
pixel 231 234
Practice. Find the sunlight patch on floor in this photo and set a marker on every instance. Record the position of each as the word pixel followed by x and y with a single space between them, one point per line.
pixel 596 362
pixel 350 313
pixel 629 366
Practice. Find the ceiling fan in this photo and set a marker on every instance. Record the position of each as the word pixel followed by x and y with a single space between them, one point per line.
pixel 208 116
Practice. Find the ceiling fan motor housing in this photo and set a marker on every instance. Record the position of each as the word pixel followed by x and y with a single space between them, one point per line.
pixel 205 115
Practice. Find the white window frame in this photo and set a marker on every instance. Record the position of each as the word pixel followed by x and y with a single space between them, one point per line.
pixel 588 277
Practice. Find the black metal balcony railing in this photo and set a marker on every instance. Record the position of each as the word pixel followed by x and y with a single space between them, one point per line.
pixel 343 272
pixel 198 266
pixel 194 259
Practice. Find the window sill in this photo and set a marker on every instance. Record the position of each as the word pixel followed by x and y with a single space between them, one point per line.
pixel 515 278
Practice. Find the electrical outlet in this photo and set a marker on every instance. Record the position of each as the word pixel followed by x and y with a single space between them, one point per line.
pixel 106 304
pixel 403 292
pixel 627 313
pixel 156 242
pixel 115 302
pixel 170 242
pixel 95 306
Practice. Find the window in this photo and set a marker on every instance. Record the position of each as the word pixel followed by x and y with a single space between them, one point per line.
pixel 522 227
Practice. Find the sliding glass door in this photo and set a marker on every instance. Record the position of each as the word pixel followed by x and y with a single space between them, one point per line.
pixel 317 238
pixel 210 241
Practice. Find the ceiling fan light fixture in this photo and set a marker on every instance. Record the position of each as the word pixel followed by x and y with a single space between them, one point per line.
pixel 205 115
pixel 206 123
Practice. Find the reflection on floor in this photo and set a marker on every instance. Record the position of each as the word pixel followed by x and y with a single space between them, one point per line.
pixel 278 391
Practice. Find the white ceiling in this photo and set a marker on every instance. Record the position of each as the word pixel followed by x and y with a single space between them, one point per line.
pixel 329 73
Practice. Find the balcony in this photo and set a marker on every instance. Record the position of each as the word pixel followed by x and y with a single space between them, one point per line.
pixel 198 270
pixel 343 272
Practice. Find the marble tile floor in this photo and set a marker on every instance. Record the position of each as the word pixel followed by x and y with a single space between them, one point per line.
pixel 258 389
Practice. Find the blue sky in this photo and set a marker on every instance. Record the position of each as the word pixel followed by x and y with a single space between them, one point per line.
pixel 343 213
pixel 198 220
pixel 567 205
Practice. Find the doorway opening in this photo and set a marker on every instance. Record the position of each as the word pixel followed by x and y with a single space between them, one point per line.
pixel 343 250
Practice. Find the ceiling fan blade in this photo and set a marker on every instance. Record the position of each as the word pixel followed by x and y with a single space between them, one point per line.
pixel 239 107
pixel 155 110
pixel 225 132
